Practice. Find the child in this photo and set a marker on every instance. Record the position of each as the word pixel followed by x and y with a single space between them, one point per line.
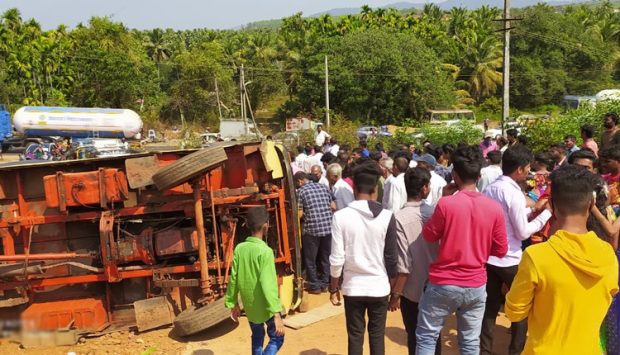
pixel 564 287
pixel 253 276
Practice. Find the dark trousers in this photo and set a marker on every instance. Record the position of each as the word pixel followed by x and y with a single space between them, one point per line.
pixel 496 277
pixel 355 309
pixel 409 310
pixel 316 252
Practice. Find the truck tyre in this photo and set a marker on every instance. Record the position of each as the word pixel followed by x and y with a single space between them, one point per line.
pixel 194 320
pixel 188 167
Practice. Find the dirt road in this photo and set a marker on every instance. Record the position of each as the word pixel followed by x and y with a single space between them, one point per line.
pixel 322 338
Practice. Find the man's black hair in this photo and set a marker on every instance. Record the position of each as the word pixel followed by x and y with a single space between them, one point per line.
pixel 401 163
pixel 402 154
pixel 447 149
pixel 345 147
pixel 365 177
pixel 570 137
pixel 587 130
pixel 433 150
pixel 328 158
pixel 515 157
pixel 363 144
pixel 582 154
pixel 308 149
pixel 376 156
pixel 523 139
pixel 333 141
pixel 546 159
pixel 512 132
pixel 495 157
pixel 317 149
pixel 613 115
pixel 379 147
pixel 300 149
pixel 559 147
pixel 611 153
pixel 572 188
pixel 467 162
pixel 256 218
pixel 415 179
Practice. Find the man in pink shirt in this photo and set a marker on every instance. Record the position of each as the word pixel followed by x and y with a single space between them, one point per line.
pixel 470 227
pixel 488 144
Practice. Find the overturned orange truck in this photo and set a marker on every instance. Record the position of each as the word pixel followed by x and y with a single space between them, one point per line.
pixel 95 245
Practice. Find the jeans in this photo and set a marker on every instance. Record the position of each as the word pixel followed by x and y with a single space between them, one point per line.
pixel 316 251
pixel 355 309
pixel 258 338
pixel 409 311
pixel 437 303
pixel 496 277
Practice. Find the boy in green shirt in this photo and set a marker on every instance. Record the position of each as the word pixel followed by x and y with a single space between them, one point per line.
pixel 253 276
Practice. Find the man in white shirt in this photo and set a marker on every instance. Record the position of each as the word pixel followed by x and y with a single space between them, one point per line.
pixel 318 174
pixel 311 160
pixel 395 197
pixel 506 190
pixel 387 165
pixel 301 157
pixel 335 148
pixel 343 193
pixel 365 253
pixel 429 162
pixel 320 136
pixel 490 173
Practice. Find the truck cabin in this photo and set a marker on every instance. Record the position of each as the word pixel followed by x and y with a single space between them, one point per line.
pixel 449 116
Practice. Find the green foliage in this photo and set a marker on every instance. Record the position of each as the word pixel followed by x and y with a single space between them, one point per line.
pixel 385 66
pixel 463 131
pixel 378 76
pixel 542 133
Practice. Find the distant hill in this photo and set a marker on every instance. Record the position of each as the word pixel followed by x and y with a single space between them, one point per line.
pixel 444 5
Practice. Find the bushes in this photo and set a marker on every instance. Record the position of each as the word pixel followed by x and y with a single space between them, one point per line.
pixel 464 131
pixel 542 133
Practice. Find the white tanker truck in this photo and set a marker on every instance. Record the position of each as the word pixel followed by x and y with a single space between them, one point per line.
pixel 77 122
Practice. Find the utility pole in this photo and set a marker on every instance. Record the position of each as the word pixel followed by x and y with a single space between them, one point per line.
pixel 506 73
pixel 242 99
pixel 217 96
pixel 327 121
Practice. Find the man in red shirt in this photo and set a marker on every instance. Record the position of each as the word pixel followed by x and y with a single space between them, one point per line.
pixel 470 227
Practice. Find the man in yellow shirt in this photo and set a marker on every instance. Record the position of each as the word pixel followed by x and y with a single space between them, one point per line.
pixel 565 286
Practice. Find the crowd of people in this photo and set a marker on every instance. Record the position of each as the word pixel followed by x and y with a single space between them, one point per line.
pixel 465 229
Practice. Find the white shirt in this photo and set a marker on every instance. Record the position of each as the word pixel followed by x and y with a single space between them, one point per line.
pixel 508 193
pixel 334 150
pixel 358 247
pixel 413 163
pixel 386 189
pixel 323 181
pixel 396 196
pixel 299 160
pixel 437 185
pixel 488 175
pixel 319 138
pixel 343 194
pixel 310 162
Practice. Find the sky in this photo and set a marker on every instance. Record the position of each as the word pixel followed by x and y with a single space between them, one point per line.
pixel 176 14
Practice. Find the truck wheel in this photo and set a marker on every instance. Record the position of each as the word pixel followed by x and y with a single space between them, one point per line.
pixel 188 167
pixel 194 320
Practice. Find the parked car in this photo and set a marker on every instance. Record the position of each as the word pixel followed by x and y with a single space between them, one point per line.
pixel 30 151
pixel 99 147
pixel 372 131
